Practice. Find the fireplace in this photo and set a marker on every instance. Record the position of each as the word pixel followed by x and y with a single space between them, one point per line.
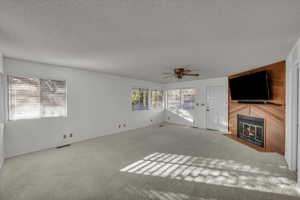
pixel 251 129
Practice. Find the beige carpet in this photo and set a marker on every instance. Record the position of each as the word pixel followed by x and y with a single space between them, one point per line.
pixel 168 163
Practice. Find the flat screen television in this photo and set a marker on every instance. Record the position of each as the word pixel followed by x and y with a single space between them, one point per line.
pixel 252 87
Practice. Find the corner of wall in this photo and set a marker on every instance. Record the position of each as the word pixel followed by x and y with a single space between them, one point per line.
pixel 1 115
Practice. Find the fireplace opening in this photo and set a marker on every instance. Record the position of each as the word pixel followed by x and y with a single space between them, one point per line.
pixel 251 129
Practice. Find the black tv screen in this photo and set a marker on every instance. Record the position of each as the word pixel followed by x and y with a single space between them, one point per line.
pixel 251 87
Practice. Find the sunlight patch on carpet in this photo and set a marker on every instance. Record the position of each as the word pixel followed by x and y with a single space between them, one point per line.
pixel 228 173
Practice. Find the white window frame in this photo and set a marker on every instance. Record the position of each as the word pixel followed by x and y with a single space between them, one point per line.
pixel 167 99
pixel 162 100
pixel 148 98
pixel 193 101
pixel 180 97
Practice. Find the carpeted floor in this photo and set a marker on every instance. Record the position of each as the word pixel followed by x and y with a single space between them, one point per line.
pixel 167 163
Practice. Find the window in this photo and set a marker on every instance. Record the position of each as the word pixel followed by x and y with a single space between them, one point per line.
pixel 156 99
pixel 36 98
pixel 53 98
pixel 140 99
pixel 173 99
pixel 180 99
pixel 187 98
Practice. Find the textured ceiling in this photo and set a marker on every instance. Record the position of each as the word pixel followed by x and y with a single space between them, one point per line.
pixel 141 39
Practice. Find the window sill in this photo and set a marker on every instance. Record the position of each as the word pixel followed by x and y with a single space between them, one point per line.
pixel 46 118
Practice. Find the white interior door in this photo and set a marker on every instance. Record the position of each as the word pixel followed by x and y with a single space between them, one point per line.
pixel 216 108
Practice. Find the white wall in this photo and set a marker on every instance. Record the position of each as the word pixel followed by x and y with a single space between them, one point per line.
pixel 96 104
pixel 1 63
pixel 1 145
pixel 1 112
pixel 198 115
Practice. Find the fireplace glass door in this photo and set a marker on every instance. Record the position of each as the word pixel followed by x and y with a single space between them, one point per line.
pixel 251 129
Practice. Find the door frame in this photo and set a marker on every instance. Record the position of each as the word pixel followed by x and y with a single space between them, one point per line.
pixel 292 133
pixel 292 115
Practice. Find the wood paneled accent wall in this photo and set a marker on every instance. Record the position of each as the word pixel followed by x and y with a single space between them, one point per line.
pixel 273 112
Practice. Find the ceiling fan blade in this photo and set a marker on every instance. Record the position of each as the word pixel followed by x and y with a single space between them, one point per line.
pixel 187 71
pixel 191 74
pixel 195 70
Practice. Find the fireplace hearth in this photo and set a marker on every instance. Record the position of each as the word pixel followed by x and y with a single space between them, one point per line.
pixel 251 129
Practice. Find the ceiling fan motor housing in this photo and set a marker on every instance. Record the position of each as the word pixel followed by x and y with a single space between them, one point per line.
pixel 179 72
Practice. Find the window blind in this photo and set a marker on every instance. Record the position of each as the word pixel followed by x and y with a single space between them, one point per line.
pixel 35 98
pixel 24 98
pixel 53 98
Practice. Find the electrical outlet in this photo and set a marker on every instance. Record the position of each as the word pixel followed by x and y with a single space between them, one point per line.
pixel 65 136
pixel 119 125
pixel 124 125
pixel 71 135
pixel 151 120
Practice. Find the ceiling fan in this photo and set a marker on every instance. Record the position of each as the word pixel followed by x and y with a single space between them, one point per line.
pixel 180 73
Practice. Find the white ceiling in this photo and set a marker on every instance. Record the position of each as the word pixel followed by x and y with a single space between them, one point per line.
pixel 141 39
